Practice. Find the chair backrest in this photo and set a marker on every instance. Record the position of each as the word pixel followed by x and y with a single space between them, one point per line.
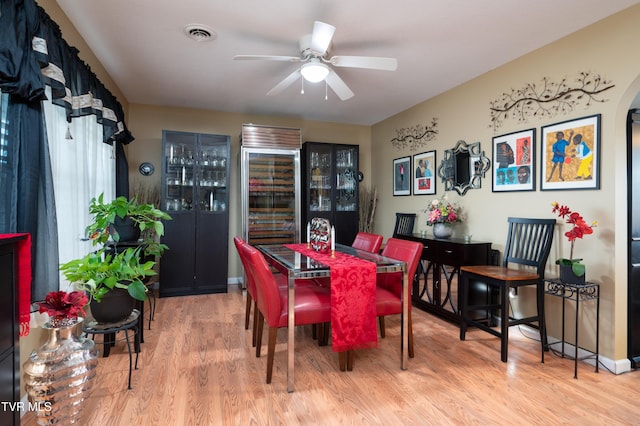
pixel 250 284
pixel 529 242
pixel 368 242
pixel 404 223
pixel 407 251
pixel 268 294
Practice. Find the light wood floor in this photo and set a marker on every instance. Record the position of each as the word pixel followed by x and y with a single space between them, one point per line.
pixel 197 367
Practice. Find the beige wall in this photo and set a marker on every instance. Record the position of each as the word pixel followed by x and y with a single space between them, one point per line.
pixel 463 113
pixel 147 122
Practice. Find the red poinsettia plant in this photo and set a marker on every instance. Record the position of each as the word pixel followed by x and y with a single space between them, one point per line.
pixel 579 230
pixel 62 307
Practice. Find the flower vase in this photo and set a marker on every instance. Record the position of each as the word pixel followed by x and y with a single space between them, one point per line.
pixel 59 375
pixel 567 276
pixel 442 230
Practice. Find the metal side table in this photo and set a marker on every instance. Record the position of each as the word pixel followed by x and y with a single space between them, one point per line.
pixel 577 293
pixel 109 330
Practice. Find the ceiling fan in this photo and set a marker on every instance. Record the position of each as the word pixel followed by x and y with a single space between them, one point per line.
pixel 316 65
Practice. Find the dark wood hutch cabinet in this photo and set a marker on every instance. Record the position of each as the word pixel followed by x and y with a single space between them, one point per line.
pixel 195 192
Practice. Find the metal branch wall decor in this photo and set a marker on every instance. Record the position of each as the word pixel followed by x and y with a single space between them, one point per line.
pixel 549 99
pixel 415 137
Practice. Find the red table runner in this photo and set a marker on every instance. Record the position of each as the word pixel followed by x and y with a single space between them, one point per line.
pixel 23 280
pixel 353 298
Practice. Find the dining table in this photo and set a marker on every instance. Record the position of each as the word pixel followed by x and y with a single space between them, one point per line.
pixel 299 261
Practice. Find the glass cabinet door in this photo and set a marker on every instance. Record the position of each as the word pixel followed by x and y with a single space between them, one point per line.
pixel 179 173
pixel 320 182
pixel 270 200
pixel 346 179
pixel 196 172
pixel 213 174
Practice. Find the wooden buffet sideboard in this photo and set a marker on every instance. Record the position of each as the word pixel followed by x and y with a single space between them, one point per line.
pixel 435 287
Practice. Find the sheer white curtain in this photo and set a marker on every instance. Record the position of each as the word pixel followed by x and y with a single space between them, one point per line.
pixel 83 168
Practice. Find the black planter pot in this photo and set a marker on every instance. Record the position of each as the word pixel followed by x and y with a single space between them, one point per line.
pixel 127 229
pixel 569 277
pixel 115 306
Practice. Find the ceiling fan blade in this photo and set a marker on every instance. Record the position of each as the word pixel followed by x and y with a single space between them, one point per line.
pixel 288 81
pixel 268 58
pixel 369 62
pixel 321 37
pixel 338 86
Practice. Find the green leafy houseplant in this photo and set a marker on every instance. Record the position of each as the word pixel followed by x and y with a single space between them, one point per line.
pixel 109 268
pixel 580 229
pixel 146 217
pixel 100 272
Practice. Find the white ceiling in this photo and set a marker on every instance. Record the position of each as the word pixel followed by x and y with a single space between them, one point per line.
pixel 439 44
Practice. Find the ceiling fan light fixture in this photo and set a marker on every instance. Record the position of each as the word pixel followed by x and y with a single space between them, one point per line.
pixel 314 72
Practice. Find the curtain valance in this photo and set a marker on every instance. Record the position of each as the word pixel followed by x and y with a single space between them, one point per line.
pixel 33 53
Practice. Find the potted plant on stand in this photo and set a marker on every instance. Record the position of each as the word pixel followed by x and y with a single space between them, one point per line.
pixel 572 270
pixel 113 281
pixel 123 220
pixel 114 275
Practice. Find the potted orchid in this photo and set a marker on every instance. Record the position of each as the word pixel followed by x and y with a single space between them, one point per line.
pixel 442 215
pixel 579 229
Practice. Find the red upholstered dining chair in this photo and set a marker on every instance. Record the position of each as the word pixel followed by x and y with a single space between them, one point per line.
pixel 389 286
pixel 283 284
pixel 251 287
pixel 368 242
pixel 312 303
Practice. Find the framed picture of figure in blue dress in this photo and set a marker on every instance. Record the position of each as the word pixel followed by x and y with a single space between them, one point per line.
pixel 570 154
pixel 514 161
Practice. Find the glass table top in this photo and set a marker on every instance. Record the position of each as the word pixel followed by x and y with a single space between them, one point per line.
pixel 304 265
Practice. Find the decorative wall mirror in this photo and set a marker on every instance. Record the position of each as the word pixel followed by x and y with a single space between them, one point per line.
pixel 463 167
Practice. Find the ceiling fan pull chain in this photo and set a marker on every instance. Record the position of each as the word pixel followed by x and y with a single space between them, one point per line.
pixel 302 89
pixel 326 90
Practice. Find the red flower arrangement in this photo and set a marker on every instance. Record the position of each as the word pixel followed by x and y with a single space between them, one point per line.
pixel 579 230
pixel 63 308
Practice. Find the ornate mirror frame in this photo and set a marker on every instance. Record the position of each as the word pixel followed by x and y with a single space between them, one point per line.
pixel 463 167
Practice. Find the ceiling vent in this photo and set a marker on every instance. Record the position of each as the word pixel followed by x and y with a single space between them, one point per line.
pixel 199 32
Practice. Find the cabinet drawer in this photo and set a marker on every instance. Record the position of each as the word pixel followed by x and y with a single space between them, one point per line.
pixel 443 252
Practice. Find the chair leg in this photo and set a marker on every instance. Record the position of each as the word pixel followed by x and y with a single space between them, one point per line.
pixel 462 288
pixel 247 312
pixel 381 321
pixel 323 338
pixel 350 360
pixel 504 326
pixel 273 332
pixel 327 334
pixel 254 338
pixel 542 323
pixel 259 333
pixel 342 360
pixel 410 327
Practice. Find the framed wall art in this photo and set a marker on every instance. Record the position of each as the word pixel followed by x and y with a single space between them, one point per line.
pixel 402 176
pixel 514 161
pixel 570 154
pixel 424 173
